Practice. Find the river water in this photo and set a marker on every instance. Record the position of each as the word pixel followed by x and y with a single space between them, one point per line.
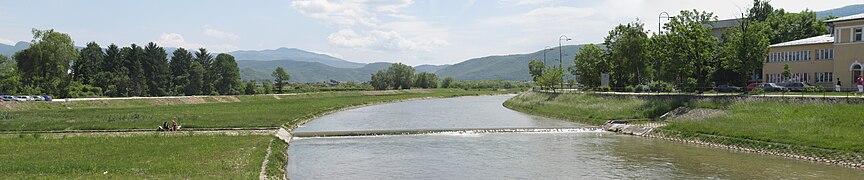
pixel 583 154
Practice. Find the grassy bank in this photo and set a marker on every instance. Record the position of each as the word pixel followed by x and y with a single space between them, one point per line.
pixel 835 125
pixel 137 157
pixel 590 109
pixel 206 112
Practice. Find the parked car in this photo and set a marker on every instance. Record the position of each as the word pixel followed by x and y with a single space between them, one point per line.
pixel 7 98
pixel 38 98
pixel 47 98
pixel 752 85
pixel 798 86
pixel 23 98
pixel 728 88
pixel 1 100
pixel 771 87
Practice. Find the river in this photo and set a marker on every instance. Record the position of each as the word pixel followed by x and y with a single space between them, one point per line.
pixel 585 154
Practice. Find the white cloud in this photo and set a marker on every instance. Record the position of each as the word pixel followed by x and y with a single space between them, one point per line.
pixel 361 28
pixel 524 2
pixel 6 41
pixel 177 40
pixel 220 34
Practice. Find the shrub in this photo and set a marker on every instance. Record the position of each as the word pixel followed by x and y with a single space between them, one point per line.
pixel 813 89
pixel 630 89
pixel 603 89
pixel 661 86
pixel 756 91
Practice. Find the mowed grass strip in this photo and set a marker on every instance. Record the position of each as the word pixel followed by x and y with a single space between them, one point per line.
pixel 830 125
pixel 137 157
pixel 591 109
pixel 209 112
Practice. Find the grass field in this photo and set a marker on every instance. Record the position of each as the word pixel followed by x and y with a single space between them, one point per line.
pixel 137 157
pixel 811 123
pixel 590 109
pixel 208 112
pixel 830 125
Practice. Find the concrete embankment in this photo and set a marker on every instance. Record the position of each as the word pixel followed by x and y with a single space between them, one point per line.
pixel 453 130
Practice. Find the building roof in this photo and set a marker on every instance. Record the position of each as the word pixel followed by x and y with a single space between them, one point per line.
pixel 726 23
pixel 811 40
pixel 846 18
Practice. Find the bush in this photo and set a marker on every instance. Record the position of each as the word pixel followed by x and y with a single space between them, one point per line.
pixel 630 89
pixel 813 89
pixel 661 86
pixel 756 91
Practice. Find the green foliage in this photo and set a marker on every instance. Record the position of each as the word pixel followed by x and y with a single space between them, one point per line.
pixel 156 70
pixel 268 89
pixel 591 109
pixel 210 75
pixel 10 80
pixel 44 64
pixel 588 65
pixel 397 76
pixel 687 50
pixel 228 75
pixel 133 56
pixel 661 86
pixel 426 80
pixel 79 90
pixel 195 79
pixel 448 81
pixel 87 65
pixel 489 84
pixel 380 80
pixel 535 68
pixel 250 88
pixel 603 89
pixel 551 76
pixel 786 71
pixel 113 75
pixel 814 89
pixel 625 52
pixel 280 76
pixel 181 67
pixel 743 51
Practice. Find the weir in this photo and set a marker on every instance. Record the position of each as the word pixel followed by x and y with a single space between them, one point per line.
pixel 452 130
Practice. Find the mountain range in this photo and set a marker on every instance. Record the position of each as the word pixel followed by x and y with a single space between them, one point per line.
pixel 306 66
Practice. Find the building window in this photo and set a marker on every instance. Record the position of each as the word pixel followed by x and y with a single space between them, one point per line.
pixel 830 54
pixel 818 54
pixel 857 35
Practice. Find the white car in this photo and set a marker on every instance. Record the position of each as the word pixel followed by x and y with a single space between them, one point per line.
pixel 8 98
pixel 38 98
pixel 23 98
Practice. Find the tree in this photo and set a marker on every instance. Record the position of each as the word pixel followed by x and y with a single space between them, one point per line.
pixel 626 51
pixel 44 65
pixel 743 51
pixel 587 65
pixel 228 75
pixel 133 57
pixel 87 64
pixel 180 65
pixel 112 76
pixel 426 80
pixel 268 89
pixel 10 81
pixel 156 70
pixel 380 80
pixel 551 76
pixel 689 49
pixel 448 81
pixel 786 71
pixel 250 88
pixel 206 60
pixel 400 76
pixel 535 68
pixel 196 79
pixel 280 76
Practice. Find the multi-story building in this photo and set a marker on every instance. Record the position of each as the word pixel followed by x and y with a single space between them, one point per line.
pixel 821 60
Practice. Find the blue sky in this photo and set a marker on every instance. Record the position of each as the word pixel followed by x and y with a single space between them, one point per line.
pixel 410 31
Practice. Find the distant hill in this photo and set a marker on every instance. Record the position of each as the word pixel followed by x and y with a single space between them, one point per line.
pixel 508 67
pixel 9 50
pixel 307 71
pixel 430 68
pixel 294 55
pixel 843 11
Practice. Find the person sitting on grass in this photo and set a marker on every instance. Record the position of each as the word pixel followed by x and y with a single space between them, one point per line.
pixel 164 126
pixel 174 125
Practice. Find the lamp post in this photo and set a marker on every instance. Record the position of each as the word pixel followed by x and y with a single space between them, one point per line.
pixel 659 29
pixel 546 49
pixel 561 55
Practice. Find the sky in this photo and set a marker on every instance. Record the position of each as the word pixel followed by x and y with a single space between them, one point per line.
pixel 413 32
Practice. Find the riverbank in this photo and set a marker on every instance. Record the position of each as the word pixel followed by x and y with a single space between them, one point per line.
pixel 114 127
pixel 815 130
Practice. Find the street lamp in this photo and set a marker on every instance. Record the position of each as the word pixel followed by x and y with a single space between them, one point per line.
pixel 546 49
pixel 659 29
pixel 561 55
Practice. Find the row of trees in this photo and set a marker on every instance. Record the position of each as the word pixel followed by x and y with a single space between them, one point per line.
pixel 53 66
pixel 686 54
pixel 401 76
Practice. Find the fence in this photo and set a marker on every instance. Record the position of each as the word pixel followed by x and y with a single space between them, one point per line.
pixel 711 91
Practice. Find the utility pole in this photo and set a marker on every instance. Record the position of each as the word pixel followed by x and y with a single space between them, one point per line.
pixel 561 56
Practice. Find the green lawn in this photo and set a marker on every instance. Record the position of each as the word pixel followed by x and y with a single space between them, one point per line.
pixel 136 157
pixel 831 125
pixel 209 112
pixel 591 109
